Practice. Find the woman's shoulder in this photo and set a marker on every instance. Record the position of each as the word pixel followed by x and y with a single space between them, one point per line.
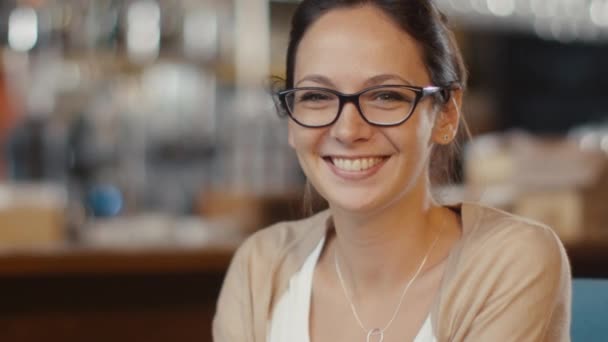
pixel 495 241
pixel 502 265
pixel 490 230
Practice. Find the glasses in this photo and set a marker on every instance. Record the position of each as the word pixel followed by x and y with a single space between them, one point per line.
pixel 384 105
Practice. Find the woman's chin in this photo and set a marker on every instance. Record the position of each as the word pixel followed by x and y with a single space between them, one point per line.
pixel 354 204
pixel 363 201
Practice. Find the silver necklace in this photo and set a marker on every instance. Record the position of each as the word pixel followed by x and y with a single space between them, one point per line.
pixel 379 332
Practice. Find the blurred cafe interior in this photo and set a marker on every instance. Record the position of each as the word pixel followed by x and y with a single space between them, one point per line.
pixel 139 145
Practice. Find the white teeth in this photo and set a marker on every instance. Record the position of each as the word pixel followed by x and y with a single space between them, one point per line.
pixel 355 164
pixel 348 164
pixel 364 164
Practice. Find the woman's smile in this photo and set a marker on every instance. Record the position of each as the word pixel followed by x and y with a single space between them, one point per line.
pixel 354 168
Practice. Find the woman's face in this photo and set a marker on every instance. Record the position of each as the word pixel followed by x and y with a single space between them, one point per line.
pixel 349 50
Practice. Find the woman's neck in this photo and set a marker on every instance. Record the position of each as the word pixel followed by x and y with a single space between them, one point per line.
pixel 380 251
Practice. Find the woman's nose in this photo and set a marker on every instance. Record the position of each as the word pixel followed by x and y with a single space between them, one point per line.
pixel 350 126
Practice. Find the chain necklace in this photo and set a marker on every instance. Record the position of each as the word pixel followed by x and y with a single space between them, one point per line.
pixel 379 332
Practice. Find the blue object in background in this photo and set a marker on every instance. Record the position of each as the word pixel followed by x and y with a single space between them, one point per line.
pixel 589 310
pixel 105 201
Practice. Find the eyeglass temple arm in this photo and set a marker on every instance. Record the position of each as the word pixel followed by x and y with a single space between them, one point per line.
pixel 446 92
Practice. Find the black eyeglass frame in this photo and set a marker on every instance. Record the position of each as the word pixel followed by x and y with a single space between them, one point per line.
pixel 421 93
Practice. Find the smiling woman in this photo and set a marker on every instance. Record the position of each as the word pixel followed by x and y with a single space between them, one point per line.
pixel 373 91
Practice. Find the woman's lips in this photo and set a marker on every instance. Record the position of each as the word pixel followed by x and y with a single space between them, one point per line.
pixel 357 168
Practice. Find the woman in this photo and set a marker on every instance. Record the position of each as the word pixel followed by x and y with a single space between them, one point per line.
pixel 373 92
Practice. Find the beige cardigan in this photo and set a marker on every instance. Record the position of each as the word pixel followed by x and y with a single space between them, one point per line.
pixel 506 279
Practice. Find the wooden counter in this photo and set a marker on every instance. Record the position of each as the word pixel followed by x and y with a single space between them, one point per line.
pixel 91 294
pixel 589 258
pixel 83 261
pixel 146 294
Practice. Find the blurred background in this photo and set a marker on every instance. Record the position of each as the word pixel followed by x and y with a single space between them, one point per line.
pixel 139 146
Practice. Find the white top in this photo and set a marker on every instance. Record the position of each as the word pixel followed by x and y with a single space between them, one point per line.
pixel 290 317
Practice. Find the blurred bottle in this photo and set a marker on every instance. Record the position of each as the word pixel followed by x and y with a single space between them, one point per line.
pixel 26 150
pixel 7 118
pixel 32 147
pixel 93 147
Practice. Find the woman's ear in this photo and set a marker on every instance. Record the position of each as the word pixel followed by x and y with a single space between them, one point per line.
pixel 448 119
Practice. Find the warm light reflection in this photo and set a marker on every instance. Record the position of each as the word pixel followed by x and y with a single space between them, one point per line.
pixel 480 6
pixel 589 142
pixel 143 30
pixel 502 8
pixel 604 143
pixel 599 12
pixel 200 34
pixel 22 29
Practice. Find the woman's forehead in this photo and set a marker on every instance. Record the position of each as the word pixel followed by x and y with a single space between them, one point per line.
pixel 356 44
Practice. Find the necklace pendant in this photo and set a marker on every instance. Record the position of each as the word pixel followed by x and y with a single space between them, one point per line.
pixel 376 332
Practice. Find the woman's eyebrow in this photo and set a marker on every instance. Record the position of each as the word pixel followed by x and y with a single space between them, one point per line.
pixel 375 80
pixel 317 79
pixel 379 79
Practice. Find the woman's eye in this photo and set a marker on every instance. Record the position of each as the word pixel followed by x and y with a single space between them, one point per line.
pixel 390 96
pixel 313 97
